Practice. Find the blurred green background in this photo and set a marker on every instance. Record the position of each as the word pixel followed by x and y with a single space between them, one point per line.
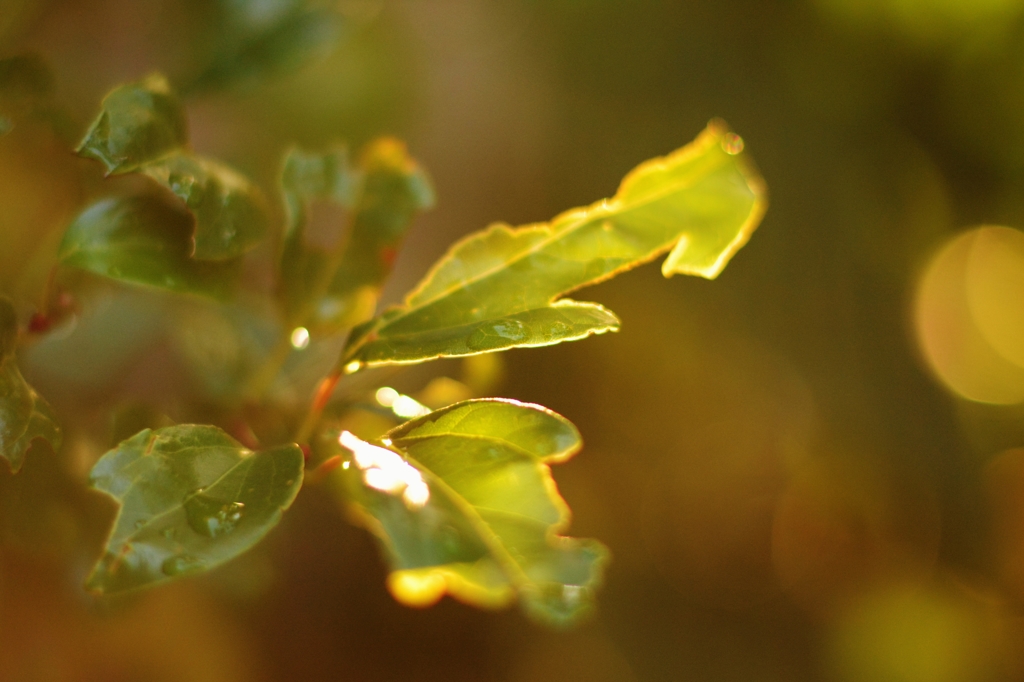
pixel 805 470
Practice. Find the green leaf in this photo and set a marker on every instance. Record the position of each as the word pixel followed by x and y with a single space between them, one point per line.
pixel 8 328
pixel 26 83
pixel 143 241
pixel 229 214
pixel 191 498
pixel 255 41
pixel 24 416
pixel 469 507
pixel 139 122
pixel 498 288
pixel 328 291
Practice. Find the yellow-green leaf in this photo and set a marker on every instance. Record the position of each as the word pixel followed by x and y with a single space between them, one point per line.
pixel 500 288
pixel 139 122
pixel 190 498
pixel 463 503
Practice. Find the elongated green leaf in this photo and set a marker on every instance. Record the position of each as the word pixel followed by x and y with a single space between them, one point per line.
pixel 339 289
pixel 139 122
pixel 191 498
pixel 498 288
pixel 256 41
pixel 229 213
pixel 24 416
pixel 143 241
pixel 470 508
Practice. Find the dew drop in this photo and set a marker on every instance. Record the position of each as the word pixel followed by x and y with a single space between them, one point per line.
pixel 353 367
pixel 211 517
pixel 559 329
pixel 181 564
pixel 496 334
pixel 732 143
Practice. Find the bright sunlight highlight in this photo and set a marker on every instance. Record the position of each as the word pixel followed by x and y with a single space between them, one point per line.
pixel 386 471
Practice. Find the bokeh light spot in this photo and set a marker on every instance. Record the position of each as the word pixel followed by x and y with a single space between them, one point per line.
pixel 947 330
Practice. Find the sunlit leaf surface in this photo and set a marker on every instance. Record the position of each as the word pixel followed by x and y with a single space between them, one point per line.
pixel 139 122
pixel 191 498
pixel 497 288
pixel 339 288
pixel 229 214
pixel 469 508
pixel 24 416
pixel 143 241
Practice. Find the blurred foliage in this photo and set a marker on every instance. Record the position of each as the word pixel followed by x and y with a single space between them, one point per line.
pixel 789 487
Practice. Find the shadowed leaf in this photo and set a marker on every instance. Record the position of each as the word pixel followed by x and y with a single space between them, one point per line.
pixel 191 498
pixel 229 214
pixel 470 509
pixel 339 289
pixel 143 241
pixel 499 288
pixel 259 40
pixel 24 416
pixel 139 122
pixel 26 84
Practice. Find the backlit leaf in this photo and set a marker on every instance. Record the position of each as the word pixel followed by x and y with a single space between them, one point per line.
pixel 24 416
pixel 339 288
pixel 499 288
pixel 139 122
pixel 191 498
pixel 463 503
pixel 143 241
pixel 229 214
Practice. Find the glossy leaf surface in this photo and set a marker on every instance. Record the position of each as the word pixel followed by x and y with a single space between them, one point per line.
pixel 498 288
pixel 24 416
pixel 143 241
pixel 384 194
pixel 470 509
pixel 191 498
pixel 229 215
pixel 138 122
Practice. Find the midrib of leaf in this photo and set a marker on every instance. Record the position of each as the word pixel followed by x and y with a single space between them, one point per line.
pixel 587 216
pixel 181 505
pixel 513 571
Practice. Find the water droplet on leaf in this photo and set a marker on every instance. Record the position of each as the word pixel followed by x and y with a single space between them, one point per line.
pixel 181 564
pixel 496 334
pixel 212 517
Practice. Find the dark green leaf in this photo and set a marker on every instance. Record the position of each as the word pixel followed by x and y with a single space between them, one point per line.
pixel 329 291
pixel 139 122
pixel 255 41
pixel 26 89
pixel 26 83
pixel 190 498
pixel 229 214
pixel 8 328
pixel 24 416
pixel 143 241
pixel 470 508
pixel 498 288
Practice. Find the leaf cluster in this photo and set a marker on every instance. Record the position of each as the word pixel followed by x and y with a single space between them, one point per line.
pixel 460 497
